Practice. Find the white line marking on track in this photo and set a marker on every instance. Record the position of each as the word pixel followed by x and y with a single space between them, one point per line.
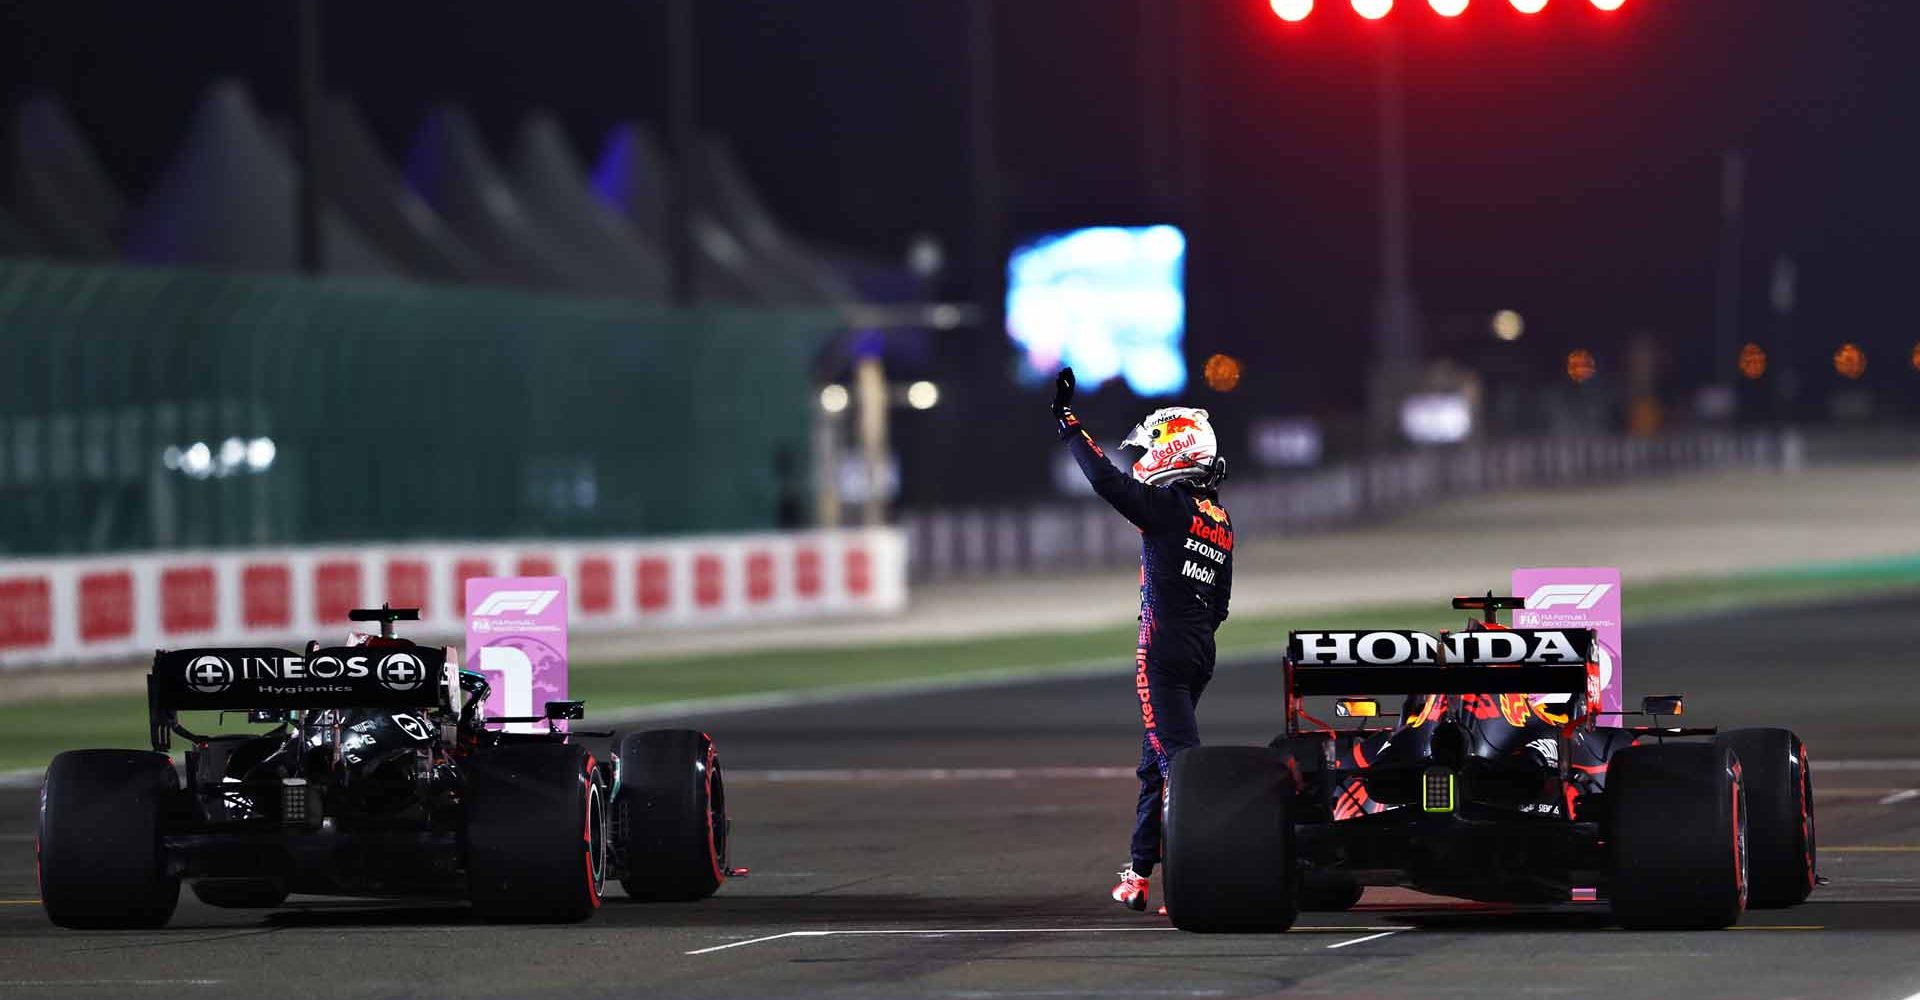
pixel 758 940
pixel 1899 797
pixel 952 931
pixel 24 983
pixel 960 931
pixel 1364 940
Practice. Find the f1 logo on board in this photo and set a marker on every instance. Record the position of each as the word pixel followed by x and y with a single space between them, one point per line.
pixel 209 674
pixel 1562 595
pixel 506 602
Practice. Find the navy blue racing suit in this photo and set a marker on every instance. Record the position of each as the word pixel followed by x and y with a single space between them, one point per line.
pixel 1186 578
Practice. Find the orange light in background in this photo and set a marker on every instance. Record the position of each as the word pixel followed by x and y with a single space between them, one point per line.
pixel 1529 6
pixel 1222 373
pixel 1372 10
pixel 1448 8
pixel 1608 4
pixel 1850 361
pixel 1916 357
pixel 1753 361
pixel 1293 10
pixel 1580 365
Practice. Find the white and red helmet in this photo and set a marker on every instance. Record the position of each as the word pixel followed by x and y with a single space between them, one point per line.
pixel 1180 445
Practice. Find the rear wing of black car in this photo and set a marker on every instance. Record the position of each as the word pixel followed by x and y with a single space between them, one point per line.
pixel 265 678
pixel 1382 661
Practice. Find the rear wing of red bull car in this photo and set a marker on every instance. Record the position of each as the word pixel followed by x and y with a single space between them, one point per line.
pixel 1403 662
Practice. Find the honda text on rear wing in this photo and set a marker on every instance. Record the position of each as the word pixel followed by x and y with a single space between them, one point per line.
pixel 1394 661
pixel 271 681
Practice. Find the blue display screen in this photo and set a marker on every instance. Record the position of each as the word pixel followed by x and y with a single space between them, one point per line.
pixel 1108 300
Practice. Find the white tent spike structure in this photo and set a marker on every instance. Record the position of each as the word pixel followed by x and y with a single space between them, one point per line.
pixel 226 199
pixel 633 176
pixel 375 195
pixel 61 193
pixel 550 177
pixel 450 166
pixel 722 187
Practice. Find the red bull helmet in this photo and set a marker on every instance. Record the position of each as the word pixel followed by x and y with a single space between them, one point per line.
pixel 1180 445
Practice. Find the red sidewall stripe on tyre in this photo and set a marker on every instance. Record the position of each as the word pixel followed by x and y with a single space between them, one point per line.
pixel 1805 793
pixel 593 882
pixel 1739 843
pixel 713 847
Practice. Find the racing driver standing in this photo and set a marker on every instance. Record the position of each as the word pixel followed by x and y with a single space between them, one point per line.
pixel 1186 577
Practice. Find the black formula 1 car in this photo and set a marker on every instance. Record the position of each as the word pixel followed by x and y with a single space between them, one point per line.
pixel 1484 791
pixel 382 777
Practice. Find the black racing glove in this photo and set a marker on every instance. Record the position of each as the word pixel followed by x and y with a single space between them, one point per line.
pixel 1063 403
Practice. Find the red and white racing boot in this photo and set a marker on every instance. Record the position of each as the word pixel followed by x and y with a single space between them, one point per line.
pixel 1132 890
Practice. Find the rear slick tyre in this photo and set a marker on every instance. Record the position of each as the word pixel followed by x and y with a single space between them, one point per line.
pixel 535 833
pixel 1229 865
pixel 1677 835
pixel 670 815
pixel 101 858
pixel 1780 834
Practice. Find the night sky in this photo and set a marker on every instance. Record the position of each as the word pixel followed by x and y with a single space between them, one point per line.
pixel 1566 164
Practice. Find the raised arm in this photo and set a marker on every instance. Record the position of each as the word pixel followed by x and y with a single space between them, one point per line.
pixel 1150 508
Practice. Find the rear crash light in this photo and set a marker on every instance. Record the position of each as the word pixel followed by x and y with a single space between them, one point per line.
pixel 1436 791
pixel 299 804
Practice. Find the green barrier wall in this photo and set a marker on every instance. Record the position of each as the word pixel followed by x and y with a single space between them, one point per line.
pixel 397 411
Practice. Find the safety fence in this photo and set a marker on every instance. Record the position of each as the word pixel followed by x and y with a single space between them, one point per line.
pixel 1062 536
pixel 159 409
pixel 106 608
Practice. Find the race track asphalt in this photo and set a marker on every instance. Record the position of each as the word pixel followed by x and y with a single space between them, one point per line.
pixel 959 845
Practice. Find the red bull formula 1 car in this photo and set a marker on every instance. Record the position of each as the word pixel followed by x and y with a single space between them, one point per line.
pixel 383 776
pixel 1484 789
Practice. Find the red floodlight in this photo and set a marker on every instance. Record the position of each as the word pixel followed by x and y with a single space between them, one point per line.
pixel 1292 10
pixel 1608 4
pixel 1372 10
pixel 1529 6
pixel 1448 8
